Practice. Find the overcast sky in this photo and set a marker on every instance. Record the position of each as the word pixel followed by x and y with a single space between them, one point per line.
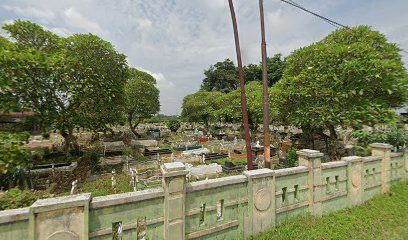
pixel 175 40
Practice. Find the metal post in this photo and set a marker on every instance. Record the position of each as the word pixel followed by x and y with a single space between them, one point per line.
pixel 242 81
pixel 267 154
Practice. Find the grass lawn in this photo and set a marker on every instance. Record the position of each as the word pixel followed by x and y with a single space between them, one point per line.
pixel 384 217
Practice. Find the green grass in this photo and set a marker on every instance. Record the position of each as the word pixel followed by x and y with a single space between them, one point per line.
pixel 234 161
pixel 103 186
pixel 384 217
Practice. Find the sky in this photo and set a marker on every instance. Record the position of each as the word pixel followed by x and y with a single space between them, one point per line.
pixel 176 40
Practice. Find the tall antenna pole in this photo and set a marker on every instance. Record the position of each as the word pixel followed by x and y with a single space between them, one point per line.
pixel 243 96
pixel 265 105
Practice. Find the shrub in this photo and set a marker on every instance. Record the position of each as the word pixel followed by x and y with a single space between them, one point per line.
pixel 15 198
pixel 16 138
pixel 11 153
pixel 174 125
pixel 396 137
pixel 292 157
pixel 45 135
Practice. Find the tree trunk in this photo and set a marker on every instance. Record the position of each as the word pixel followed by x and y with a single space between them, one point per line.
pixel 69 140
pixel 111 131
pixel 131 126
pixel 333 143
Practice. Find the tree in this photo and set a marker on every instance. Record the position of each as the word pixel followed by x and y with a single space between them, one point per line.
pixel 276 66
pixel 231 112
pixel 141 98
pixel 350 78
pixel 70 82
pixel 253 72
pixel 94 78
pixel 9 101
pixel 174 125
pixel 29 68
pixel 222 77
pixel 201 106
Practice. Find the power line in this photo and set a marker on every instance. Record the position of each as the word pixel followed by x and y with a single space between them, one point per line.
pixel 331 22
pixel 321 17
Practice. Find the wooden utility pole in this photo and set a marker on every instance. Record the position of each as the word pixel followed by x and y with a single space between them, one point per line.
pixel 265 105
pixel 243 96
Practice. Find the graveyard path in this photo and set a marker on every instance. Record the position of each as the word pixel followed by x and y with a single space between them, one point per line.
pixel 384 217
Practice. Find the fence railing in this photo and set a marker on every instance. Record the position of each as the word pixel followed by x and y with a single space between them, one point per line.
pixel 227 208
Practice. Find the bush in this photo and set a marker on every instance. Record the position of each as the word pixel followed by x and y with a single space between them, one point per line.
pixel 174 125
pixel 91 159
pixel 45 135
pixel 292 157
pixel 396 137
pixel 17 138
pixel 11 153
pixel 15 198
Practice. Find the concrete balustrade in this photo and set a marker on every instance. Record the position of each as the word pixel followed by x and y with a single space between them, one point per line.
pixel 227 208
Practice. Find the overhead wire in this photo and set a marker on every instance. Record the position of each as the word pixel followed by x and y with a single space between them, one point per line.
pixel 331 22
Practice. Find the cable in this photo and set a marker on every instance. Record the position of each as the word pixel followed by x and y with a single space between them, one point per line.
pixel 331 22
pixel 323 18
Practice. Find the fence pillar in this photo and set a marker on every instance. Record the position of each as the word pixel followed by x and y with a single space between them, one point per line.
pixel 384 151
pixel 60 218
pixel 261 200
pixel 174 179
pixel 312 160
pixel 354 180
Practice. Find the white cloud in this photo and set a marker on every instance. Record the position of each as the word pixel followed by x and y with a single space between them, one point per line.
pixel 27 12
pixel 162 83
pixel 75 19
pixel 62 32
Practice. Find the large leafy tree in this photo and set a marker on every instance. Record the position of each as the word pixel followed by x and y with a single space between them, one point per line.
pixel 94 75
pixel 7 98
pixel 29 65
pixel 350 78
pixel 141 98
pixel 231 112
pixel 70 82
pixel 221 77
pixel 201 106
pixel 276 65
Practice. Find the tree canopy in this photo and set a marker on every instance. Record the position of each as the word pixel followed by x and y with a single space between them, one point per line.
pixel 350 78
pixel 221 77
pixel 70 82
pixel 276 65
pixel 230 109
pixel 141 98
pixel 209 107
pixel 201 106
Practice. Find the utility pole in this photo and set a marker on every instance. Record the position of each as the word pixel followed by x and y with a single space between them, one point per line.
pixel 265 105
pixel 243 96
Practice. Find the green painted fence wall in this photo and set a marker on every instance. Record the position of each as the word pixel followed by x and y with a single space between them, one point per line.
pixel 233 207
